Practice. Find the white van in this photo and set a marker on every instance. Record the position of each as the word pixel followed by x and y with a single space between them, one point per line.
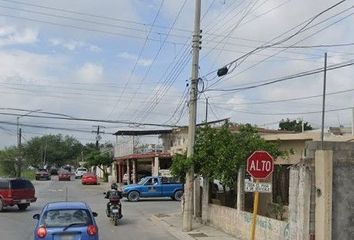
pixel 80 171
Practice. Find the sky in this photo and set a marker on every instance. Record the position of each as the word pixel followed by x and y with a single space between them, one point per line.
pixel 68 66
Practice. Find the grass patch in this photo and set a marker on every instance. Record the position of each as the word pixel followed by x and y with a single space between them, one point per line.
pixel 28 174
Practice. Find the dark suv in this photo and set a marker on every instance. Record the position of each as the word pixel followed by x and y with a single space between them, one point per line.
pixel 16 191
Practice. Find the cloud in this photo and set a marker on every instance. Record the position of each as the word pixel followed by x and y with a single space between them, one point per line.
pixel 73 45
pixel 10 35
pixel 142 61
pixel 90 72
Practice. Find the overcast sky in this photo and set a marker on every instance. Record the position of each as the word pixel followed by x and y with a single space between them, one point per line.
pixel 130 60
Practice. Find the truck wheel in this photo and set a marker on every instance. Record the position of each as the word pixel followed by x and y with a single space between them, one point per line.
pixel 1 205
pixel 178 195
pixel 133 196
pixel 22 207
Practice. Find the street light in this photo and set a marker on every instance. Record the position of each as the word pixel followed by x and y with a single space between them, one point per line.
pixel 18 124
pixel 19 140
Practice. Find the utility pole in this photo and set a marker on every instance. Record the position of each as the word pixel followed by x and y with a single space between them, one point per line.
pixel 98 137
pixel 188 188
pixel 19 160
pixel 324 98
pixel 19 137
pixel 206 109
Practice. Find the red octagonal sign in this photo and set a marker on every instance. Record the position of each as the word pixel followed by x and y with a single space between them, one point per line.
pixel 260 164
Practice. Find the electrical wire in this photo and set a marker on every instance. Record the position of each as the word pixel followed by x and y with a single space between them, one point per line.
pixel 289 77
pixel 286 113
pixel 301 40
pixel 303 25
pixel 286 99
pixel 92 120
pixel 157 54
pixel 137 60
pixel 182 100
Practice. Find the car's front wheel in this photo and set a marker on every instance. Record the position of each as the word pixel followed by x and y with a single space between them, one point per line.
pixel 133 196
pixel 22 206
pixel 1 205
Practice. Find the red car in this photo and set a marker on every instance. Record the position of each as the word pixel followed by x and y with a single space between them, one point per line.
pixel 89 178
pixel 64 176
pixel 17 191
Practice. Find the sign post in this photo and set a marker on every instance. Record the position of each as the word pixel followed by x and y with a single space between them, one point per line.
pixel 260 165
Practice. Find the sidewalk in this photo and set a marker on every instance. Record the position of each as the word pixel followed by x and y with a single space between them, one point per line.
pixel 173 223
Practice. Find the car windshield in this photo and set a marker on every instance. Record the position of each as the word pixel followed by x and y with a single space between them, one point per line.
pixel 66 217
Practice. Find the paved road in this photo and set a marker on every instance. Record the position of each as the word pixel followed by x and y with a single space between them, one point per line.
pixel 136 223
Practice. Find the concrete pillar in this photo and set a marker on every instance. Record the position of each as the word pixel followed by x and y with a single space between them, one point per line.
pixel 299 202
pixel 134 171
pixel 304 200
pixel 324 179
pixel 293 194
pixel 241 189
pixel 197 198
pixel 156 166
pixel 205 200
pixel 119 177
pixel 128 170
pixel 114 172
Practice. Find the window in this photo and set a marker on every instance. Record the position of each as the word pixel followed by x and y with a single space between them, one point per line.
pixel 18 184
pixel 4 184
pixel 65 217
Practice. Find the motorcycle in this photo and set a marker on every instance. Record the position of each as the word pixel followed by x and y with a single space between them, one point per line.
pixel 114 210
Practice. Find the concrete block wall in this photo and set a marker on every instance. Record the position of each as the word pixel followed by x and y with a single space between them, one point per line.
pixel 342 186
pixel 238 223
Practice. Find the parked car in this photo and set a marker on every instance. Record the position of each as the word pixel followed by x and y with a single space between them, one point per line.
pixel 17 191
pixel 67 168
pixel 66 220
pixel 64 175
pixel 79 172
pixel 89 178
pixel 42 174
pixel 53 171
pixel 153 187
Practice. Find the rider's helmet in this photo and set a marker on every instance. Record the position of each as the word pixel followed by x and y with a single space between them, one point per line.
pixel 114 186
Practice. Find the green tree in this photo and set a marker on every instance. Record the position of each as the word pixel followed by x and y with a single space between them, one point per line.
pixel 8 161
pixel 102 160
pixel 219 153
pixel 294 125
pixel 52 150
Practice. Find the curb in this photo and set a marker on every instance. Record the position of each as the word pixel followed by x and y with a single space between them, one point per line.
pixel 171 229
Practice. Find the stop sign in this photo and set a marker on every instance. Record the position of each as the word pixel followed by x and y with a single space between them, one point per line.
pixel 260 164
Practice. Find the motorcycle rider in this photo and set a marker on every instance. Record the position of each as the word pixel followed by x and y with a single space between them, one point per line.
pixel 114 188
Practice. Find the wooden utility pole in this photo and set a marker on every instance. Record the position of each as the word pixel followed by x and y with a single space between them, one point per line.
pixel 188 188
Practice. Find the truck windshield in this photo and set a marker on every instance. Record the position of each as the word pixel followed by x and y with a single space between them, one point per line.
pixel 142 181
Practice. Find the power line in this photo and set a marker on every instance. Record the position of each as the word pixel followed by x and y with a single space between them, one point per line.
pixel 286 113
pixel 286 99
pixel 254 65
pixel 157 53
pixel 54 128
pixel 179 105
pixel 137 60
pixel 93 120
pixel 305 24
pixel 289 77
